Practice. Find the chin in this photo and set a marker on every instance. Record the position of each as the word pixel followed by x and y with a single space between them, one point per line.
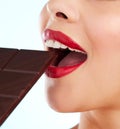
pixel 68 102
pixel 59 97
pixel 62 99
pixel 60 105
pixel 74 92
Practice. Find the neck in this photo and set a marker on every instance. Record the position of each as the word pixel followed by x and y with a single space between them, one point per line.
pixel 102 119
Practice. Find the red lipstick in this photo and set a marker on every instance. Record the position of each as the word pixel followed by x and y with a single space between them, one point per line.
pixel 62 38
pixel 60 71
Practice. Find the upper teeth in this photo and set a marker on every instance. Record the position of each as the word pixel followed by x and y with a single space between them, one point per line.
pixel 56 44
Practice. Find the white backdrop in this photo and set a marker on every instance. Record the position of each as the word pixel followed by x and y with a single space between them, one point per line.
pixel 19 28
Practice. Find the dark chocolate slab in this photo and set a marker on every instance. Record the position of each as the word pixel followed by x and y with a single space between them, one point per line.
pixel 19 71
pixel 6 55
pixel 6 103
pixel 28 61
pixel 13 83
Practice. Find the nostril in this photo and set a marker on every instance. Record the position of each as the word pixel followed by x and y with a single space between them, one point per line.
pixel 62 15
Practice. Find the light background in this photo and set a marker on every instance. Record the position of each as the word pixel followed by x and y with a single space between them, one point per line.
pixel 19 28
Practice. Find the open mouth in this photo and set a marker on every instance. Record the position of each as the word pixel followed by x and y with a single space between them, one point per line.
pixel 69 55
pixel 66 56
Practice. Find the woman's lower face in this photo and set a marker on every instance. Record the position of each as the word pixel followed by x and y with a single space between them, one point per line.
pixel 95 26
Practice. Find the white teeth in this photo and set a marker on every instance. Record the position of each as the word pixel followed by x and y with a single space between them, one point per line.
pixel 71 49
pixel 63 46
pixel 56 44
pixel 49 43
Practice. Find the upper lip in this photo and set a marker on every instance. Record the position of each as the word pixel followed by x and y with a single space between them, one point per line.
pixel 62 38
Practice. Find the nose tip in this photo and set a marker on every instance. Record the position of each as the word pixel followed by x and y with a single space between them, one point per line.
pixel 58 9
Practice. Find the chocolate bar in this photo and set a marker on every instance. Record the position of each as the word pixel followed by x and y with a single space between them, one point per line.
pixel 19 71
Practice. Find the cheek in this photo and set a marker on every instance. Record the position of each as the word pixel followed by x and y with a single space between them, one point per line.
pixel 104 35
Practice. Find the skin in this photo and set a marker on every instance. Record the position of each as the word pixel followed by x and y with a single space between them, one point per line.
pixel 94 88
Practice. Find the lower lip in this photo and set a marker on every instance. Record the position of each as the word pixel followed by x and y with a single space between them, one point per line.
pixel 57 72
